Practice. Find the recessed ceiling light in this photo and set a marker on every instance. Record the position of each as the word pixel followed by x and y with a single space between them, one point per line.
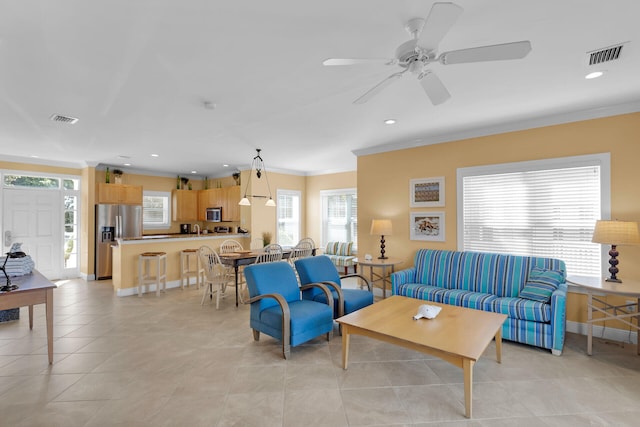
pixel 34 156
pixel 155 155
pixel 389 122
pixel 226 166
pixel 194 171
pixel 126 164
pixel 594 75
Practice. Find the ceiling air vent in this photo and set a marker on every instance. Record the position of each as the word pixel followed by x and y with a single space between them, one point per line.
pixel 606 54
pixel 63 119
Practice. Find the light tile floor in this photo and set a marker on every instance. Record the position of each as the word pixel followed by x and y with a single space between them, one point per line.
pixel 167 361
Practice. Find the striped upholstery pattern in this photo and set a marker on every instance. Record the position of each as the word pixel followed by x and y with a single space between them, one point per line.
pixel 489 282
pixel 340 253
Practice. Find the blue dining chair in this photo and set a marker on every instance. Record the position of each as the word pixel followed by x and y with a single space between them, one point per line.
pixel 320 269
pixel 278 310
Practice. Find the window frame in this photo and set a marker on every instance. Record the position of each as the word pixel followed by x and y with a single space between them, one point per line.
pixel 291 193
pixel 603 160
pixel 165 224
pixel 324 194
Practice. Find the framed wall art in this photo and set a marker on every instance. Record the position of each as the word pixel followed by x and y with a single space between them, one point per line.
pixel 427 226
pixel 427 192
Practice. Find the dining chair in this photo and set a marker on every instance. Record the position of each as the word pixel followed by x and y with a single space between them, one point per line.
pixel 216 274
pixel 302 249
pixel 233 246
pixel 320 269
pixel 278 310
pixel 271 253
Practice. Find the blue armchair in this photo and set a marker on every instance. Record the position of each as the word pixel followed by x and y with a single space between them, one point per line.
pixel 320 269
pixel 278 310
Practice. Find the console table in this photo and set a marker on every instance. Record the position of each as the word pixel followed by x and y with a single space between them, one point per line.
pixel 622 313
pixel 32 289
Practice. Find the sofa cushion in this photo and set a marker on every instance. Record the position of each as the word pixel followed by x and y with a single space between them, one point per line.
pixel 419 291
pixel 469 299
pixel 541 284
pixel 523 309
pixel 339 248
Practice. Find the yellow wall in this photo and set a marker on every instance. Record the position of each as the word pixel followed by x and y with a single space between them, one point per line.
pixel 383 179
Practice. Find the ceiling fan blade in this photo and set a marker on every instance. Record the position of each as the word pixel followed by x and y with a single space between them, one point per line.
pixel 433 87
pixel 358 61
pixel 379 87
pixel 496 52
pixel 441 18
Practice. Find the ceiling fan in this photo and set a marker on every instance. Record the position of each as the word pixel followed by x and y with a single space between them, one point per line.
pixel 416 54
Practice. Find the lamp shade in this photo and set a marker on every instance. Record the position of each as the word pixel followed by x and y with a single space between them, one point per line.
pixel 616 232
pixel 381 227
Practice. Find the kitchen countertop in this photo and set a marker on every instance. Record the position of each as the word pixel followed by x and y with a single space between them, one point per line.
pixel 191 236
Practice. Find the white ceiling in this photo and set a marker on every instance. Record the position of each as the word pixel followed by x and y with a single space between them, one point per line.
pixel 137 74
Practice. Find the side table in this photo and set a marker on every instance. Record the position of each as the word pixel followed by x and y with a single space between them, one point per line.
pixel 383 264
pixel 622 313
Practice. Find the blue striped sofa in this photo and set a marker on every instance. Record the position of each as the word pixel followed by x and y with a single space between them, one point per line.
pixel 491 282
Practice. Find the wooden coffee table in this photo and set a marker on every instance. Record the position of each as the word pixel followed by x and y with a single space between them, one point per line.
pixel 457 335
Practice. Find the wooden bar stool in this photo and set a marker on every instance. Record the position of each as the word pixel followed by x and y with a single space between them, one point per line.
pixel 186 272
pixel 144 271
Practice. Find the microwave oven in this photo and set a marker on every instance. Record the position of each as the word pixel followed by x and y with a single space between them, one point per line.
pixel 214 214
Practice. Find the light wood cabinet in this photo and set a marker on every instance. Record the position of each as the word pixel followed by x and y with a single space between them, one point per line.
pixel 227 198
pixel 119 194
pixel 184 205
pixel 230 207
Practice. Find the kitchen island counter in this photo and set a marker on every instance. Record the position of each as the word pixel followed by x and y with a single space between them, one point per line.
pixel 126 252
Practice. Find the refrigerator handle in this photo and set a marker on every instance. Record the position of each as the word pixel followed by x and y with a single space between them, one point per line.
pixel 118 230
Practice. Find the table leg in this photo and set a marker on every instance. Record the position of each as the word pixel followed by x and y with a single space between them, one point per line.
pixel 49 314
pixel 467 366
pixel 499 345
pixel 384 281
pixel 31 317
pixel 345 346
pixel 589 322
pixel 235 268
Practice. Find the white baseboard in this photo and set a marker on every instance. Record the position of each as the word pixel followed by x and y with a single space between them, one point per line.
pixel 126 292
pixel 600 331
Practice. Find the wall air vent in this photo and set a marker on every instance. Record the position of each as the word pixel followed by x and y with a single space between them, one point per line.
pixel 63 119
pixel 606 54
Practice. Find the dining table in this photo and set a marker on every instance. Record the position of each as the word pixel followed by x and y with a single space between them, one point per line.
pixel 243 258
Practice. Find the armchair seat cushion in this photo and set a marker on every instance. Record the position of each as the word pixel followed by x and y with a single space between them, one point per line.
pixel 354 299
pixel 308 320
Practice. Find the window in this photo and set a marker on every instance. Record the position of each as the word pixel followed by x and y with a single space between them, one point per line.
pixel 542 208
pixel 339 216
pixel 288 217
pixel 156 208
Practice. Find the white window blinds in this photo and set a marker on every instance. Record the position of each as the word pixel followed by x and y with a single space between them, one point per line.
pixel 545 212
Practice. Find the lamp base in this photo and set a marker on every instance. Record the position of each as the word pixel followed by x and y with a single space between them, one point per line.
pixel 613 280
pixel 383 257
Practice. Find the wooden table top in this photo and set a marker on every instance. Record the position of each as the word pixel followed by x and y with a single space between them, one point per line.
pixel 456 330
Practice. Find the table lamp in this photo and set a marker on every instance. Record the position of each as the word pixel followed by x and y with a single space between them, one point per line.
pixel 381 227
pixel 615 233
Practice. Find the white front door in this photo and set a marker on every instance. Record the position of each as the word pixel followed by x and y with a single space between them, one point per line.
pixel 33 217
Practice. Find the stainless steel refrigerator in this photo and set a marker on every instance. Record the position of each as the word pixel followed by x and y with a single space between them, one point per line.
pixel 112 222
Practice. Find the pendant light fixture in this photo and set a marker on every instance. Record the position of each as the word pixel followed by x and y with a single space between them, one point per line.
pixel 258 165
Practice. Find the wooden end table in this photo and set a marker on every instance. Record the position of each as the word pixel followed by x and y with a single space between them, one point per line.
pixel 383 264
pixel 622 313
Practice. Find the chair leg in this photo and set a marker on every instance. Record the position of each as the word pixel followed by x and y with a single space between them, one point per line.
pixel 256 335
pixel 218 296
pixel 206 292
pixel 330 335
pixel 286 350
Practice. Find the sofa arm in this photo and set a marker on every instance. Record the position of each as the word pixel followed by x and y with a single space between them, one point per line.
pixel 402 277
pixel 558 318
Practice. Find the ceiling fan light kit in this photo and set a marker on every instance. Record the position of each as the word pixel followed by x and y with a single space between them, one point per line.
pixel 417 54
